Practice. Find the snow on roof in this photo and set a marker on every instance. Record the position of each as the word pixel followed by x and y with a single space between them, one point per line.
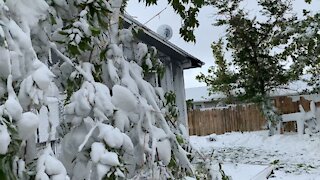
pixel 293 88
pixel 200 94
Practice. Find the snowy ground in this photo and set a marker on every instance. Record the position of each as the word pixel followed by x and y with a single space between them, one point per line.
pixel 295 157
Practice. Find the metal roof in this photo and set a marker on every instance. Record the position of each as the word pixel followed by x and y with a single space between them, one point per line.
pixel 153 39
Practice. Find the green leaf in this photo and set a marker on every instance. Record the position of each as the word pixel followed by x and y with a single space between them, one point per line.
pixel 308 1
pixel 63 33
pixel 149 2
pixel 198 3
pixel 73 50
pixel 2 175
pixel 52 19
pixel 180 139
pixel 60 42
pixel 84 44
pixel 103 54
pixel 172 163
pixel 95 31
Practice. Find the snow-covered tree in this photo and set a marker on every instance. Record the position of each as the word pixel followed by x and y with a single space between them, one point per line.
pixel 26 86
pixel 256 43
pixel 114 125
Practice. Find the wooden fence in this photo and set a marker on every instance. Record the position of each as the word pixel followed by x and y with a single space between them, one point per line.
pixel 241 117
pixel 219 121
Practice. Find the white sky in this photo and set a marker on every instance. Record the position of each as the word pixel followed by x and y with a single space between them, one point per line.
pixel 205 34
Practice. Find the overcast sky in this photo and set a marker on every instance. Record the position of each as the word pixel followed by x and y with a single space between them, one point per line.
pixel 205 34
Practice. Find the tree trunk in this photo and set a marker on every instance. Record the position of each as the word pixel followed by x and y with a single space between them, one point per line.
pixel 273 119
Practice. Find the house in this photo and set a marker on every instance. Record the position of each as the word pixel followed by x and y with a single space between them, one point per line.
pixel 175 60
pixel 199 97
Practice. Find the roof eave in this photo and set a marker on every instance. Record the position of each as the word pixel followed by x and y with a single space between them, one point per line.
pixel 153 39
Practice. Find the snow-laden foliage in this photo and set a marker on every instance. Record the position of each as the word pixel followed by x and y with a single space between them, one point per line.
pixel 114 125
pixel 49 167
pixel 26 85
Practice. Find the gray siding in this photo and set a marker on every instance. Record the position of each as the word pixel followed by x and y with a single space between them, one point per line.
pixel 178 85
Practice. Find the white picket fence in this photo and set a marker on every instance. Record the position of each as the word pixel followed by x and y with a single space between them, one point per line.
pixel 304 119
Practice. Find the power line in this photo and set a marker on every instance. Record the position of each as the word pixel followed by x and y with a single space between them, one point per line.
pixel 156 15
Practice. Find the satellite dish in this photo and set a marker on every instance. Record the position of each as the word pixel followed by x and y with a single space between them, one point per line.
pixel 165 31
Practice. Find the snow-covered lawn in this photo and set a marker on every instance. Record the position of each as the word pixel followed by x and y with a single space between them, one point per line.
pixel 294 157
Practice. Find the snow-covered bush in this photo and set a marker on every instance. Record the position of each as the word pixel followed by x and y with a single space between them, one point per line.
pixel 26 85
pixel 114 124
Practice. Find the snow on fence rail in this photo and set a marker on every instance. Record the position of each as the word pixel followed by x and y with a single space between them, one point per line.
pixel 243 117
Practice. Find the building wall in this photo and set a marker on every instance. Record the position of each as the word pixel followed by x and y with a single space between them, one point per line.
pixel 167 79
pixel 178 85
pixel 207 104
pixel 173 81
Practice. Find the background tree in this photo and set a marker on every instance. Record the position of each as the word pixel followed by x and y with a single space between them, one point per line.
pixel 220 78
pixel 305 49
pixel 256 47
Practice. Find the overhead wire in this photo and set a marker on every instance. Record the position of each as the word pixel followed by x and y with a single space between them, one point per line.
pixel 158 14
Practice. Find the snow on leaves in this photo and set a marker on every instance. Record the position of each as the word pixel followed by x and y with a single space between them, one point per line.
pixel 113 123
pixel 29 82
pixel 49 167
